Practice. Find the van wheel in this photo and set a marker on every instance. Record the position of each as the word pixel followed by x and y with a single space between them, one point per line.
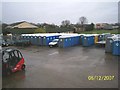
pixel 23 67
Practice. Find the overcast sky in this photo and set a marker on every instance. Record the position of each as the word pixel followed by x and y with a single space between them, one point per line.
pixel 55 12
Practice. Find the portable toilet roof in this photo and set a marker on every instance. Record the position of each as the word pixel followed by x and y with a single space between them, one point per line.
pixel 88 35
pixel 68 36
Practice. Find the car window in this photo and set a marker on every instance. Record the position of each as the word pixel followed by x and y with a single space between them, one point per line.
pixel 19 55
pixel 16 53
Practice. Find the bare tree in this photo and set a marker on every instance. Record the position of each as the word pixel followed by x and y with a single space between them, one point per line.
pixel 82 21
pixel 65 22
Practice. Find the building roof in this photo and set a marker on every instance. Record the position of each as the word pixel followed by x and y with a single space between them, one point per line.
pixel 23 24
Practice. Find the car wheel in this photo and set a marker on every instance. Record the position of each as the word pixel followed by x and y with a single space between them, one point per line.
pixel 23 67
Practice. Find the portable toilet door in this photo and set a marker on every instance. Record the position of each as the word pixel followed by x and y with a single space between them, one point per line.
pixel 32 39
pixel 35 40
pixel 100 38
pixel 116 48
pixel 109 45
pixel 61 42
pixel 41 41
pixel 66 42
pixel 92 40
pixel 95 39
pixel 85 41
pixel 29 38
pixel 81 39
pixel 51 38
pixel 71 41
pixel 38 40
pixel 44 40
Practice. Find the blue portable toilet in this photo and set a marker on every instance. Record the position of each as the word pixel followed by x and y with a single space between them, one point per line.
pixel 71 40
pixel 41 40
pixel 61 42
pixel 116 47
pixel 46 40
pixel 35 40
pixel 38 40
pixel 76 40
pixel 87 40
pixel 32 39
pixel 81 39
pixel 92 40
pixel 64 41
pixel 68 41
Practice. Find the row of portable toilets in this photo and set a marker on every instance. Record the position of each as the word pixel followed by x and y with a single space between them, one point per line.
pixel 64 40
pixel 42 40
pixel 68 40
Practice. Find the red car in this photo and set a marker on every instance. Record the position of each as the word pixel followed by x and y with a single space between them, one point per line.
pixel 12 61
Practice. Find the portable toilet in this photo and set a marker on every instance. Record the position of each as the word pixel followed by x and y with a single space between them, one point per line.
pixel 95 38
pixel 116 47
pixel 41 40
pixel 81 39
pixel 109 45
pixel 92 40
pixel 35 40
pixel 32 39
pixel 46 40
pixel 38 40
pixel 65 41
pixel 77 40
pixel 101 37
pixel 88 40
pixel 61 42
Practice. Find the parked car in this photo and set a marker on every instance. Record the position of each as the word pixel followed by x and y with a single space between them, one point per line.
pixel 12 61
pixel 54 43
